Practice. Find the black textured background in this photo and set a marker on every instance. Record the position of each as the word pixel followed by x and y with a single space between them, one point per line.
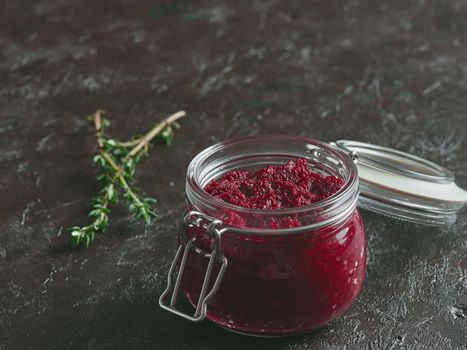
pixel 389 72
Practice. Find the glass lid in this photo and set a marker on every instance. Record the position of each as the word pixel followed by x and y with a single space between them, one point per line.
pixel 404 186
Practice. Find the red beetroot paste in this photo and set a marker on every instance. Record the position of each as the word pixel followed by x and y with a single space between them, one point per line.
pixel 279 284
pixel 274 187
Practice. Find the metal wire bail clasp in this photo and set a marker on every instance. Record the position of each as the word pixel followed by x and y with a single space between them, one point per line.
pixel 212 228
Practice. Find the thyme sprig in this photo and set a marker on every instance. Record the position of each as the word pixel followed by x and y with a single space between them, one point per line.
pixel 118 161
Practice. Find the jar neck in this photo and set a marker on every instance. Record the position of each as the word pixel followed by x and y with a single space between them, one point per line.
pixel 254 152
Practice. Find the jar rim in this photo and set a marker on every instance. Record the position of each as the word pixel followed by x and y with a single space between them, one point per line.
pixel 351 182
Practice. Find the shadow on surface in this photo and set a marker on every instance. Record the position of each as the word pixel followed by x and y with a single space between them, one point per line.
pixel 141 324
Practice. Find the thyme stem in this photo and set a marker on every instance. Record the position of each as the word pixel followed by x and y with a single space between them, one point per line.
pixel 119 165
pixel 155 131
pixel 118 176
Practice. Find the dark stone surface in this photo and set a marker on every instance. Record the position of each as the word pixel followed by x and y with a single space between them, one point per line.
pixel 389 72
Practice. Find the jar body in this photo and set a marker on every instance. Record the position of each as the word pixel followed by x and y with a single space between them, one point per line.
pixel 281 284
pixel 268 272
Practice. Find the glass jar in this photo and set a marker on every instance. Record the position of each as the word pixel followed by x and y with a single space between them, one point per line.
pixel 252 272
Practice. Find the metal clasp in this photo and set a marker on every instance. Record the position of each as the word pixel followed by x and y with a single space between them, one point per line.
pixel 195 219
pixel 352 154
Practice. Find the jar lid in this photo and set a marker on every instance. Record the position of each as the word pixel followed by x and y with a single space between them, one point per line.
pixel 404 186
